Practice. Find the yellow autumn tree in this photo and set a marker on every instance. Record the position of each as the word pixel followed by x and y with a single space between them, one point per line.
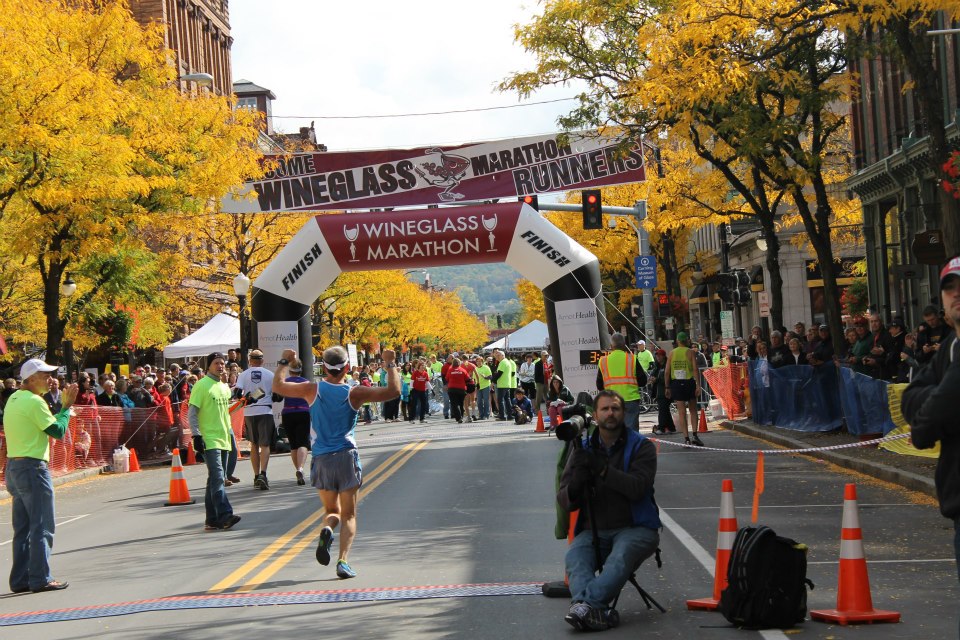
pixel 97 145
pixel 384 308
pixel 742 77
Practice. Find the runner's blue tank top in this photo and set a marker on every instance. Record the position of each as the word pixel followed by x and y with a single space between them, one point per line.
pixel 332 419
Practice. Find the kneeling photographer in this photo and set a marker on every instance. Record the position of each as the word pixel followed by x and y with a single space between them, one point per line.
pixel 609 477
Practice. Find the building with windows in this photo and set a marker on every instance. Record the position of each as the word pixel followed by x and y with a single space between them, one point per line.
pixel 900 194
pixel 198 33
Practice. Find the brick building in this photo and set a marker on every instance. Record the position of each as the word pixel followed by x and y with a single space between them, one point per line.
pixel 899 193
pixel 198 32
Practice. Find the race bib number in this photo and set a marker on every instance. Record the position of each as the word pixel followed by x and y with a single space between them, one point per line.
pixel 680 374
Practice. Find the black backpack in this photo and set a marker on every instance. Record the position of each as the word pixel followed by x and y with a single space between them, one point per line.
pixel 767 581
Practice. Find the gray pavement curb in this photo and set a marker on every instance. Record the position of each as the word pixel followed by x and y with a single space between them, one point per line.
pixel 878 470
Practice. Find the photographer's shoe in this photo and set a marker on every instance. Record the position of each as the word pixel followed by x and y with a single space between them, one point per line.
pixel 576 615
pixel 597 620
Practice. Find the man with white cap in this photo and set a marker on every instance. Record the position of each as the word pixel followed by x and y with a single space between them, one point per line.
pixel 930 404
pixel 28 426
pixel 644 357
pixel 335 469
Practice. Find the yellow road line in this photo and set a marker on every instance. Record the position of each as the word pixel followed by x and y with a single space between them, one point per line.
pixel 283 540
pixel 282 561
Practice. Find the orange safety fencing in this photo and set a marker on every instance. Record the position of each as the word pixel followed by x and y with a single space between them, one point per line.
pixel 94 432
pixel 730 384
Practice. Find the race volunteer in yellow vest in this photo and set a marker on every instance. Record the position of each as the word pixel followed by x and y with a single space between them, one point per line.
pixel 683 386
pixel 620 371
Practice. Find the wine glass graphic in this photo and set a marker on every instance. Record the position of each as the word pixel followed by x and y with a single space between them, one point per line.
pixel 351 235
pixel 490 225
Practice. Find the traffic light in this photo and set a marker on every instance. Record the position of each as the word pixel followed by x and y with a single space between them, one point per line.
pixel 728 287
pixel 743 294
pixel 663 302
pixel 592 209
pixel 531 200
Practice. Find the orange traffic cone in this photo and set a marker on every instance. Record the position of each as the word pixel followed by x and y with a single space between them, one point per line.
pixel 539 428
pixel 134 463
pixel 179 493
pixel 726 533
pixel 703 422
pixel 853 592
pixel 191 454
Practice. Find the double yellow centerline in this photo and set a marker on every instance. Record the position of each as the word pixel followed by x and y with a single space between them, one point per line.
pixel 262 564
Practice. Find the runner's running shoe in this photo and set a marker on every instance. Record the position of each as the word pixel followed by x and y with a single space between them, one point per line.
pixel 323 548
pixel 344 571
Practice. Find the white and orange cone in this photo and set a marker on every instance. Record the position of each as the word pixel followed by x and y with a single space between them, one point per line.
pixel 179 493
pixel 726 533
pixel 854 603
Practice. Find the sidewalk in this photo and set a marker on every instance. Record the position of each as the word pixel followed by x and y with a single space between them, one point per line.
pixel 911 472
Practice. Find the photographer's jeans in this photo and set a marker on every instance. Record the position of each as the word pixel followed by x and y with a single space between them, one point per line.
pixel 30 486
pixel 622 550
pixel 631 414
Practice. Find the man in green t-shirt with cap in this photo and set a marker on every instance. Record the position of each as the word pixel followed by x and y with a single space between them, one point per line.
pixel 28 426
pixel 210 417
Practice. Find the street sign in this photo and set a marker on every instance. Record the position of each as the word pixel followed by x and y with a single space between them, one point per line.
pixel 646 271
pixel 763 297
pixel 726 325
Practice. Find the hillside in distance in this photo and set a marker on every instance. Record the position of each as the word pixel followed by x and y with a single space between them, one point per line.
pixel 482 287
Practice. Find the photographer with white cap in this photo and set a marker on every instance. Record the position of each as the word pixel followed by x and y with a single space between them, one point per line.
pixel 28 425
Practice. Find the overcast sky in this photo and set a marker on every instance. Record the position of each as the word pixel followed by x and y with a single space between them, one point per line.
pixel 372 57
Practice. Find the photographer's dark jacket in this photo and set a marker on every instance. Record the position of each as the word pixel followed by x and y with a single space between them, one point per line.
pixel 930 407
pixel 624 496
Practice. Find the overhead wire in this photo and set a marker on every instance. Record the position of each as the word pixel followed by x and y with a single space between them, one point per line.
pixel 426 113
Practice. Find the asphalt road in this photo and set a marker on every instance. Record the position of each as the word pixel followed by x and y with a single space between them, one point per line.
pixel 461 505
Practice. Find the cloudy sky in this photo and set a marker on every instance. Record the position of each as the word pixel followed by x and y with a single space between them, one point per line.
pixel 374 57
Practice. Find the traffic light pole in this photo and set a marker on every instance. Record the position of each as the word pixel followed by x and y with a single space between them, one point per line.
pixel 637 212
pixel 725 268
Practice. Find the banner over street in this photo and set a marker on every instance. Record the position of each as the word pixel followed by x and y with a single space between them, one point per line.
pixel 438 175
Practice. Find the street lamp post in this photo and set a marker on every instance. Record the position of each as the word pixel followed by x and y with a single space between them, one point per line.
pixel 241 286
pixel 67 289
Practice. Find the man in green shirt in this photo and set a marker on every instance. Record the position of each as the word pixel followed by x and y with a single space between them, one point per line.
pixel 644 357
pixel 29 425
pixel 506 382
pixel 210 417
pixel 483 375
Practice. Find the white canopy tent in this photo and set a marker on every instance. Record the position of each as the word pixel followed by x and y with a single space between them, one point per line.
pixel 532 337
pixel 221 332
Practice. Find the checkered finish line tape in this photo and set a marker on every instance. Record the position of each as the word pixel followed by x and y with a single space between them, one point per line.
pixel 270 599
pixel 848 445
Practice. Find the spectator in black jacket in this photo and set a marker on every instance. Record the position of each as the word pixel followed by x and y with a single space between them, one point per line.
pixel 823 351
pixel 109 397
pixel 930 405
pixel 778 354
pixel 929 335
pixel 894 358
pixel 882 346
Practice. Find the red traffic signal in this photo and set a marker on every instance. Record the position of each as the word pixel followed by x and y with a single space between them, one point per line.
pixel 531 200
pixel 592 209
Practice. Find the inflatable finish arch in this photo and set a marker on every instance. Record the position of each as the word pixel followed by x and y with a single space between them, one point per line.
pixel 514 233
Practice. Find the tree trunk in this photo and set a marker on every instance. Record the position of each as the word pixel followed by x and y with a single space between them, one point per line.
pixel 773 268
pixel 51 276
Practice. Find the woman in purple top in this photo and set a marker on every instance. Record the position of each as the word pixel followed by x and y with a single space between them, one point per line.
pixel 295 419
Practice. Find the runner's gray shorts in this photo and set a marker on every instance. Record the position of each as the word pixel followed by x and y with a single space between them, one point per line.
pixel 261 430
pixel 337 471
